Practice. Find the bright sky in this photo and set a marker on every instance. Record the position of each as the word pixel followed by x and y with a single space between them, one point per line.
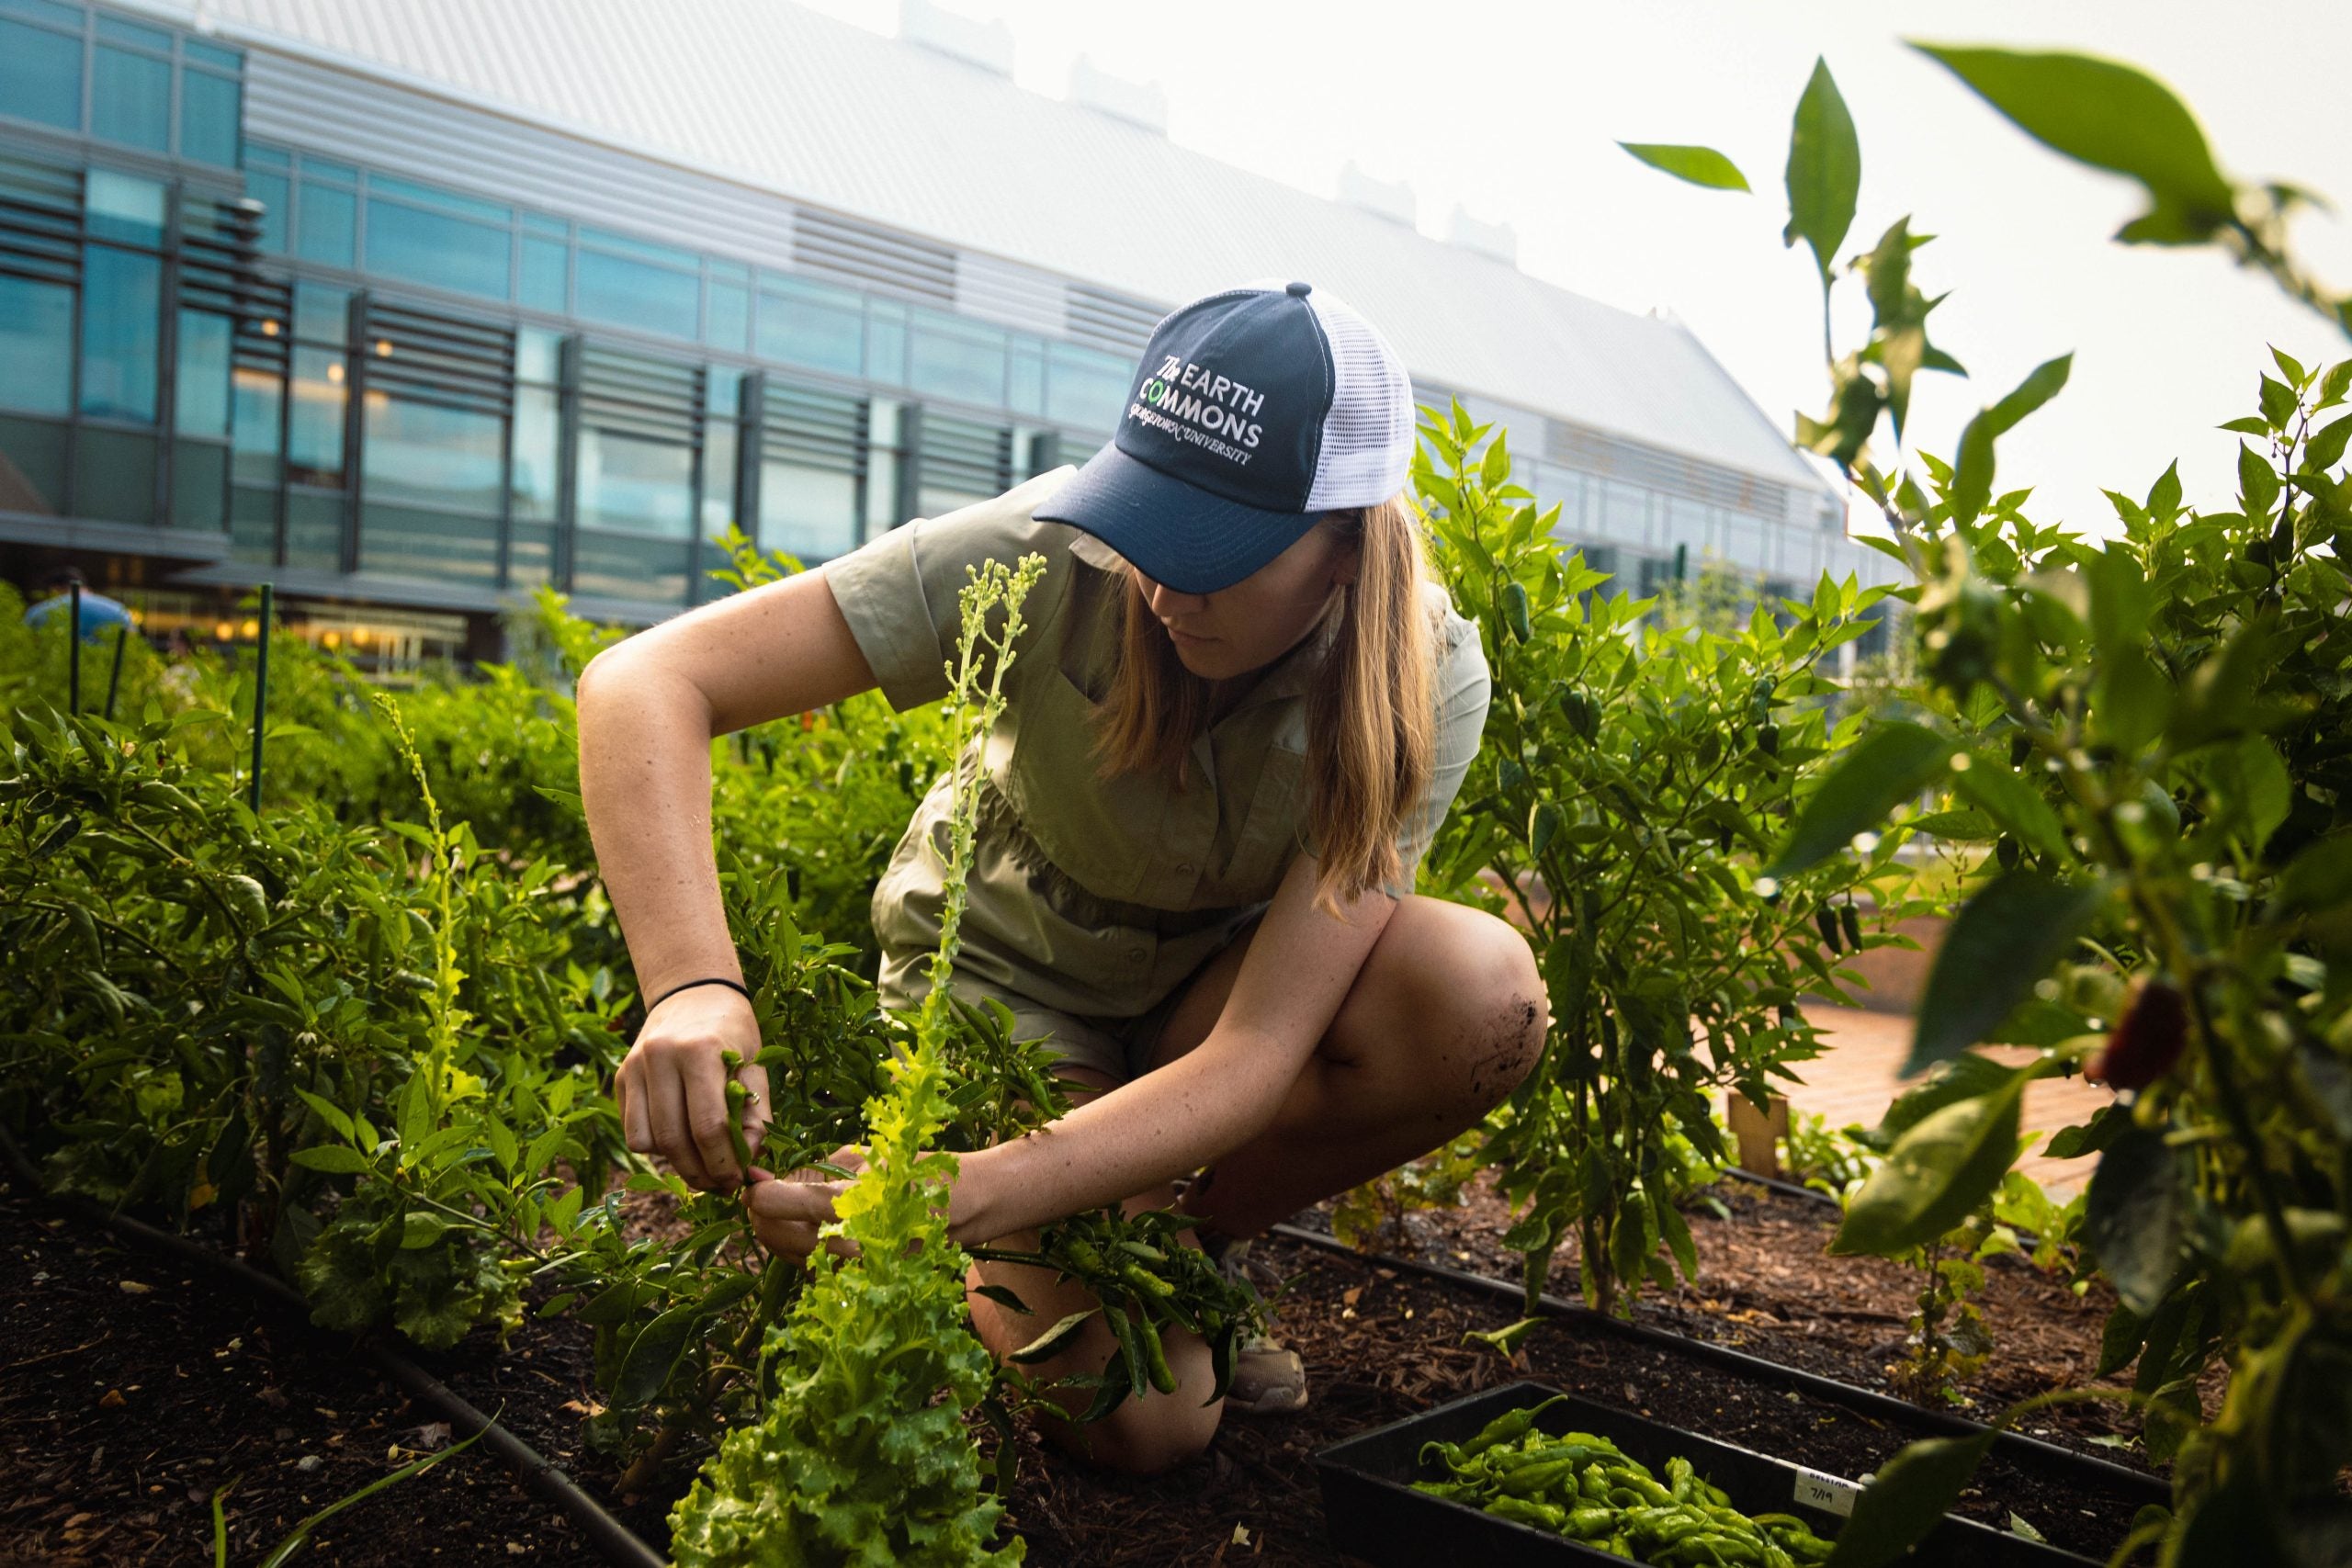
pixel 1512 108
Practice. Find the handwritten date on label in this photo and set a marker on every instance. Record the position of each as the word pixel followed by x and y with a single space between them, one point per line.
pixel 1827 1492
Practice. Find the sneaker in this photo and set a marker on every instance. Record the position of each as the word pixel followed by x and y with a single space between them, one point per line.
pixel 1269 1378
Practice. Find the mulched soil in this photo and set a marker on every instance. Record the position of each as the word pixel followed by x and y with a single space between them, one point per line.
pixel 90 1483
pixel 132 1389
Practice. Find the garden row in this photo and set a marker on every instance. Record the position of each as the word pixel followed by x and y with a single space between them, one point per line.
pixel 344 998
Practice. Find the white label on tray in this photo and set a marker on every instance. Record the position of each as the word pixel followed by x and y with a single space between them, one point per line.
pixel 1827 1492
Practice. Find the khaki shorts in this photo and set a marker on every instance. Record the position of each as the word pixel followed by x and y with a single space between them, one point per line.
pixel 1119 1048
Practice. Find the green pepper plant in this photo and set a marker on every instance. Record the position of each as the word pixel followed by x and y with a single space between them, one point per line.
pixel 2157 727
pixel 1633 774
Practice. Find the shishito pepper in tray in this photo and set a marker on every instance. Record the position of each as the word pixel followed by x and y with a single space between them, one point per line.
pixel 1584 1488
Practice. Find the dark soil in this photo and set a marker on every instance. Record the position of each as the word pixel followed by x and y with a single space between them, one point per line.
pixel 88 1483
pixel 132 1390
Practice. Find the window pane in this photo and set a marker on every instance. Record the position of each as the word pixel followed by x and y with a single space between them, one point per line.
pixel 436 248
pixel 113 30
pixel 324 232
pixel 537 353
pixel 124 207
pixel 314 434
pixel 201 376
pixel 56 13
pixel 321 314
pixel 545 262
pixel 130 99
pixel 949 360
pixel 199 485
pixel 120 315
pixel 415 541
pixel 40 76
pixel 825 329
pixel 530 554
pixel 631 293
pixel 623 566
pixel 1085 389
pixel 719 449
pixel 208 118
pixel 197 53
pixel 810 512
pixel 730 317
pixel 1026 390
pixel 36 345
pixel 259 398
pixel 32 466
pixel 314 530
pixel 425 452
pixel 886 346
pixel 270 190
pixel 633 484
pixel 533 485
pixel 114 476
pixel 253 524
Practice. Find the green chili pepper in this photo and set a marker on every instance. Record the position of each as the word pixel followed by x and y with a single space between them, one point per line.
pixel 1851 920
pixel 1082 1254
pixel 1146 1282
pixel 1825 920
pixel 1155 1356
pixel 1543 1516
pixel 736 1095
pixel 1534 1480
pixel 1509 1426
pixel 1679 1477
pixel 1515 611
pixel 1586 1524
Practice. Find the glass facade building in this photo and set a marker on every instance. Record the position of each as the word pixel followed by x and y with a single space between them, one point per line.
pixel 228 356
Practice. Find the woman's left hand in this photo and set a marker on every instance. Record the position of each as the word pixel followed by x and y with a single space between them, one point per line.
pixel 787 1211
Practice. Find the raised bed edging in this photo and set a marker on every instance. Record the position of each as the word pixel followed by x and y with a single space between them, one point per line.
pixel 2015 1446
pixel 1372 1512
pixel 540 1476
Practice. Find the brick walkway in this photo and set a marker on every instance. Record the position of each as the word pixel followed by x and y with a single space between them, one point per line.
pixel 1860 1072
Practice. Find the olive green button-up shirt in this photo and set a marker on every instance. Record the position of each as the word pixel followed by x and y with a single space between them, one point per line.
pixel 1091 896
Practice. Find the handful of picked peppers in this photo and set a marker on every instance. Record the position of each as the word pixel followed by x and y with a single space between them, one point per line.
pixel 1584 1487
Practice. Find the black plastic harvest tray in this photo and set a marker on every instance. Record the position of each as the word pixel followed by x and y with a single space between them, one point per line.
pixel 1372 1512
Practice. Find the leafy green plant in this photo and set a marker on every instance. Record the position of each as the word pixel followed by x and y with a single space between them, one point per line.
pixel 2155 728
pixel 1626 846
pixel 862 1455
pixel 1364 1216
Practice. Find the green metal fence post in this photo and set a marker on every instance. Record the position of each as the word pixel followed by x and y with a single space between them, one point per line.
pixel 114 676
pixel 261 700
pixel 74 647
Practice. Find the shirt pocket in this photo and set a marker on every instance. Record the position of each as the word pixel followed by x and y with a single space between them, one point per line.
pixel 1269 835
pixel 1093 834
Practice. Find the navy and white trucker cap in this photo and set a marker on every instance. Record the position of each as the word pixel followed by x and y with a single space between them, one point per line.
pixel 1255 410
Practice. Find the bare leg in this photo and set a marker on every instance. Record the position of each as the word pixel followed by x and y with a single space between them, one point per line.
pixel 1446 1016
pixel 1443 1021
pixel 1142 1436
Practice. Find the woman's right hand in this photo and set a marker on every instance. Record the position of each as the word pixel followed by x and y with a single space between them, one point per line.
pixel 672 1087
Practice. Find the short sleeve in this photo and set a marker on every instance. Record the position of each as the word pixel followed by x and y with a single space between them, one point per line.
pixel 1463 691
pixel 899 593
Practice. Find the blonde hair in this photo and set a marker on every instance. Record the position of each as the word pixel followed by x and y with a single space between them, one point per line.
pixel 1370 718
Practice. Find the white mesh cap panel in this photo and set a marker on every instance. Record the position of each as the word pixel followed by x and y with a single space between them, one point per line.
pixel 1368 440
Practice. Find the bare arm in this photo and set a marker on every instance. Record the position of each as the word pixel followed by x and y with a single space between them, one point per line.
pixel 649 710
pixel 1212 1099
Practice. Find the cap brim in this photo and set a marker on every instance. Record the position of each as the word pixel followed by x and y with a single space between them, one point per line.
pixel 1174 532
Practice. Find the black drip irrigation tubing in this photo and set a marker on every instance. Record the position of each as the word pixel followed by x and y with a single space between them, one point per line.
pixel 538 1475
pixel 2015 1445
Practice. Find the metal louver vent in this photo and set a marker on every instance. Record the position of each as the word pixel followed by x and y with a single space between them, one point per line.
pixel 41 221
pixel 219 240
pixel 1670 473
pixel 1114 323
pixel 813 428
pixel 638 394
pixel 829 246
pixel 424 356
pixel 965 456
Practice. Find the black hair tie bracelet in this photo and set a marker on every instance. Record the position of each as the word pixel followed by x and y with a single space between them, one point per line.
pixel 733 985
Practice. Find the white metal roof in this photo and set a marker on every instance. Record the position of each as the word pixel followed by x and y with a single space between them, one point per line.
pixel 781 99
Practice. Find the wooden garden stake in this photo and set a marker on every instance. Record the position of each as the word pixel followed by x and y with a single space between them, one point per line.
pixel 1759 1133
